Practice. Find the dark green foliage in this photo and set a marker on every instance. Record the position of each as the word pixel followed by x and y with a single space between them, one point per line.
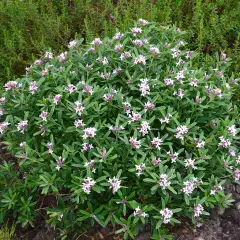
pixel 30 27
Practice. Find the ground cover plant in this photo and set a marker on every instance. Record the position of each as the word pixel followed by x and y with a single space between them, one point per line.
pixel 29 28
pixel 126 130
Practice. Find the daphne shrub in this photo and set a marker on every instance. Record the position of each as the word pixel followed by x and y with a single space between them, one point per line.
pixel 125 131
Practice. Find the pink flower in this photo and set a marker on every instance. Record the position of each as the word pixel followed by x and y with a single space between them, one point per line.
pixel 157 142
pixel 190 163
pixel 70 88
pixel 232 130
pixel 224 142
pixel 125 55
pixel 87 89
pixel 103 61
pixel 168 81
pixel 3 126
pixel 11 85
pixel 199 143
pixel 62 57
pixel 143 21
pixel 144 87
pixel 166 214
pixel 163 181
pixel 148 106
pixel 181 131
pixel 198 100
pixel 179 93
pixel 140 168
pixel 236 174
pixel 108 97
pixel 22 125
pixel 38 62
pixel 145 128
pixel 33 87
pixel 173 156
pixel 72 44
pixel 115 184
pixel 3 100
pixel 166 119
pixel 136 144
pixel 86 147
pixel 44 116
pixel 140 60
pixel 96 42
pixel 139 213
pixel 79 123
pixel 44 72
pixel 136 31
pixel 154 50
pixel 156 161
pixel 127 107
pixel 89 132
pixel 118 36
pixel 87 185
pixel 198 210
pixel 118 47
pixel 48 55
pixel 57 98
pixel 50 147
pixel 134 117
pixel 59 162
pixel 79 108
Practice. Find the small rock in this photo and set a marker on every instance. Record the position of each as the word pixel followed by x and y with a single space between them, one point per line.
pixel 221 211
pixel 238 206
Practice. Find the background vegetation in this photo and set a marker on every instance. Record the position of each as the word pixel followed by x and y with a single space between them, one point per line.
pixel 29 27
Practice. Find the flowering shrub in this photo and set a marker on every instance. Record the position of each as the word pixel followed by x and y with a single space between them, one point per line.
pixel 124 131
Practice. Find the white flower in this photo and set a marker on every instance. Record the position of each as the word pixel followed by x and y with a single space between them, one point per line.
pixel 22 125
pixel 145 128
pixel 166 214
pixel 79 123
pixel 173 156
pixel 140 168
pixel 118 36
pixel 87 184
pixel 198 210
pixel 89 132
pixel 57 98
pixel 96 42
pixel 190 163
pixel 232 130
pixel 3 126
pixel 33 87
pixel 140 60
pixel 143 21
pixel 224 142
pixel 136 144
pixel 144 87
pixel 181 131
pixel 48 55
pixel 163 181
pixel 79 108
pixel 199 143
pixel 115 184
pixel 166 118
pixel 136 31
pixel 125 55
pixel 44 116
pixel 157 142
pixel 72 44
pixel 139 213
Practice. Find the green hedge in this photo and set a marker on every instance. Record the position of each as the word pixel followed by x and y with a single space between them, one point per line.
pixel 29 27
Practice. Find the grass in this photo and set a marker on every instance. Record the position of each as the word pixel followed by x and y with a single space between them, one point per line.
pixel 28 28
